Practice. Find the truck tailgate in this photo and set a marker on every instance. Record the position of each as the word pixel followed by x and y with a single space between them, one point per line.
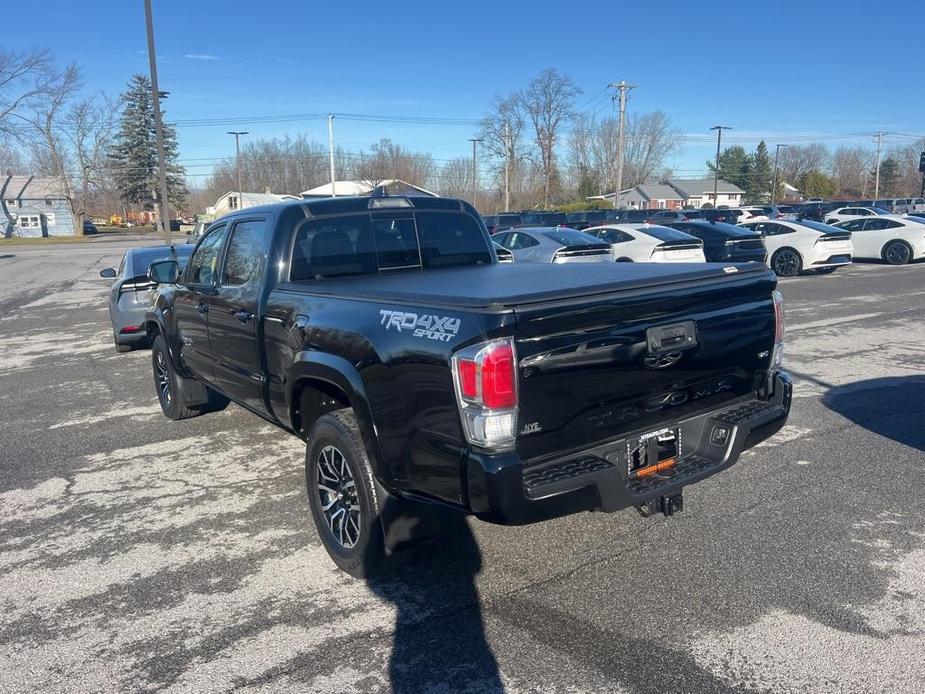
pixel 597 369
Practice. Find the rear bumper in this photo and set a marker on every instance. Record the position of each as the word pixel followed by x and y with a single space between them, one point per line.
pixel 502 490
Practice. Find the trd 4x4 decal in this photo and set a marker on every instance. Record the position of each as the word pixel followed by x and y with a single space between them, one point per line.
pixel 429 326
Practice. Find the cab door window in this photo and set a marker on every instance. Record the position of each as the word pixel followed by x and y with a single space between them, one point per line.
pixel 246 252
pixel 203 266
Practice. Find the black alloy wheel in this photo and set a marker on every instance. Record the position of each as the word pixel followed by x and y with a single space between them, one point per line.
pixel 897 253
pixel 786 263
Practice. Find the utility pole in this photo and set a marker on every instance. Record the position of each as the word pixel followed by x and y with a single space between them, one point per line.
pixel 507 166
pixel 237 158
pixel 475 168
pixel 719 137
pixel 922 171
pixel 623 88
pixel 331 151
pixel 774 180
pixel 879 137
pixel 158 126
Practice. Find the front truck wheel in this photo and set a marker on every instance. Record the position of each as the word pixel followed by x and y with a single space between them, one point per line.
pixel 167 383
pixel 343 495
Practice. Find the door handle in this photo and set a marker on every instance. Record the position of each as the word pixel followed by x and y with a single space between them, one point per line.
pixel 243 315
pixel 202 308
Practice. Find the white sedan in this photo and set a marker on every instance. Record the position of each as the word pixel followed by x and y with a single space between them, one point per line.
pixel 891 238
pixel 649 243
pixel 843 214
pixel 797 246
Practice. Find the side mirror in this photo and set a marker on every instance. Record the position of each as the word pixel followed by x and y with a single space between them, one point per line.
pixel 164 272
pixel 108 273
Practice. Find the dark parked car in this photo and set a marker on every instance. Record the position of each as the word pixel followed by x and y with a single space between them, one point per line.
pixel 665 216
pixel 583 220
pixel 499 222
pixel 723 215
pixel 426 379
pixel 631 216
pixel 725 243
pixel 89 227
pixel 544 219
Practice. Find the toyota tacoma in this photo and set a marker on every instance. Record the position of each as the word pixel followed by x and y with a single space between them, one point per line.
pixel 423 374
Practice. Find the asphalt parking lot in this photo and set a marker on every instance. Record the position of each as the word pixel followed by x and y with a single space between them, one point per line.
pixel 141 554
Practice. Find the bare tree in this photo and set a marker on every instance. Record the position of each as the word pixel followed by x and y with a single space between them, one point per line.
pixel 548 101
pixel 650 140
pixel 850 167
pixel 88 128
pixel 22 81
pixel 391 160
pixel 502 138
pixel 908 177
pixel 456 178
pixel 798 160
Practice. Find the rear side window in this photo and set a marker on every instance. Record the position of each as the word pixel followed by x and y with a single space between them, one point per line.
pixel 358 245
pixel 451 239
pixel 245 252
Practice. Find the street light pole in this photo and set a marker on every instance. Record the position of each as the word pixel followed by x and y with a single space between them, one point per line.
pixel 719 137
pixel 475 168
pixel 623 88
pixel 331 151
pixel 774 180
pixel 164 210
pixel 237 158
pixel 879 137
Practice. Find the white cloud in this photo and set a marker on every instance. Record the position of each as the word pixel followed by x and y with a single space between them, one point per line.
pixel 201 56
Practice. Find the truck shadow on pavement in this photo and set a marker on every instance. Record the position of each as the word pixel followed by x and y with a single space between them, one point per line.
pixel 454 658
pixel 891 407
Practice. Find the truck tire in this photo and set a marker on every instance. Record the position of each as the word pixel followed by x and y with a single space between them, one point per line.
pixel 342 495
pixel 165 383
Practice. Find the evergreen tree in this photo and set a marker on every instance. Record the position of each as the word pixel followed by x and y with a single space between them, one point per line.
pixel 815 184
pixel 134 154
pixel 889 176
pixel 733 166
pixel 758 183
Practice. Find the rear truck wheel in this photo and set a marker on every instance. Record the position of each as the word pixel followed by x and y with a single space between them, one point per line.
pixel 624 260
pixel 786 263
pixel 343 495
pixel 166 381
pixel 897 253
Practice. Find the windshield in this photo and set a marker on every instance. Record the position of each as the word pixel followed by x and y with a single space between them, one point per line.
pixel 665 233
pixel 568 237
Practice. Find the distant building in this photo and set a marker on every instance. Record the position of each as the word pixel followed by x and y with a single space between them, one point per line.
pixel 33 206
pixel 647 196
pixel 391 186
pixel 677 193
pixel 230 202
pixel 697 193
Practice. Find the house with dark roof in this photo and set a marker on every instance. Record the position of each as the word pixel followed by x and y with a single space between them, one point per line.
pixel 33 206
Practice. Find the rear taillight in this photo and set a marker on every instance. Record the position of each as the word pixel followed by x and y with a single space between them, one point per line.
pixel 777 356
pixel 485 377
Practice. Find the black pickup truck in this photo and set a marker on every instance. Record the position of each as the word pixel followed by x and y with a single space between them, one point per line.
pixel 423 374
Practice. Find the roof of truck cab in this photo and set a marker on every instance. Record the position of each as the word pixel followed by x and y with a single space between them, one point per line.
pixel 505 286
pixel 359 203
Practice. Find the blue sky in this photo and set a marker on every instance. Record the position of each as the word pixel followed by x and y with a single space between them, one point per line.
pixel 783 70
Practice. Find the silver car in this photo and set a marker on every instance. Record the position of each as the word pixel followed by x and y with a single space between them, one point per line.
pixel 130 294
pixel 553 245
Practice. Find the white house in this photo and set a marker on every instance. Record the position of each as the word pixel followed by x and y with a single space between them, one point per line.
pixel 392 186
pixel 697 193
pixel 232 201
